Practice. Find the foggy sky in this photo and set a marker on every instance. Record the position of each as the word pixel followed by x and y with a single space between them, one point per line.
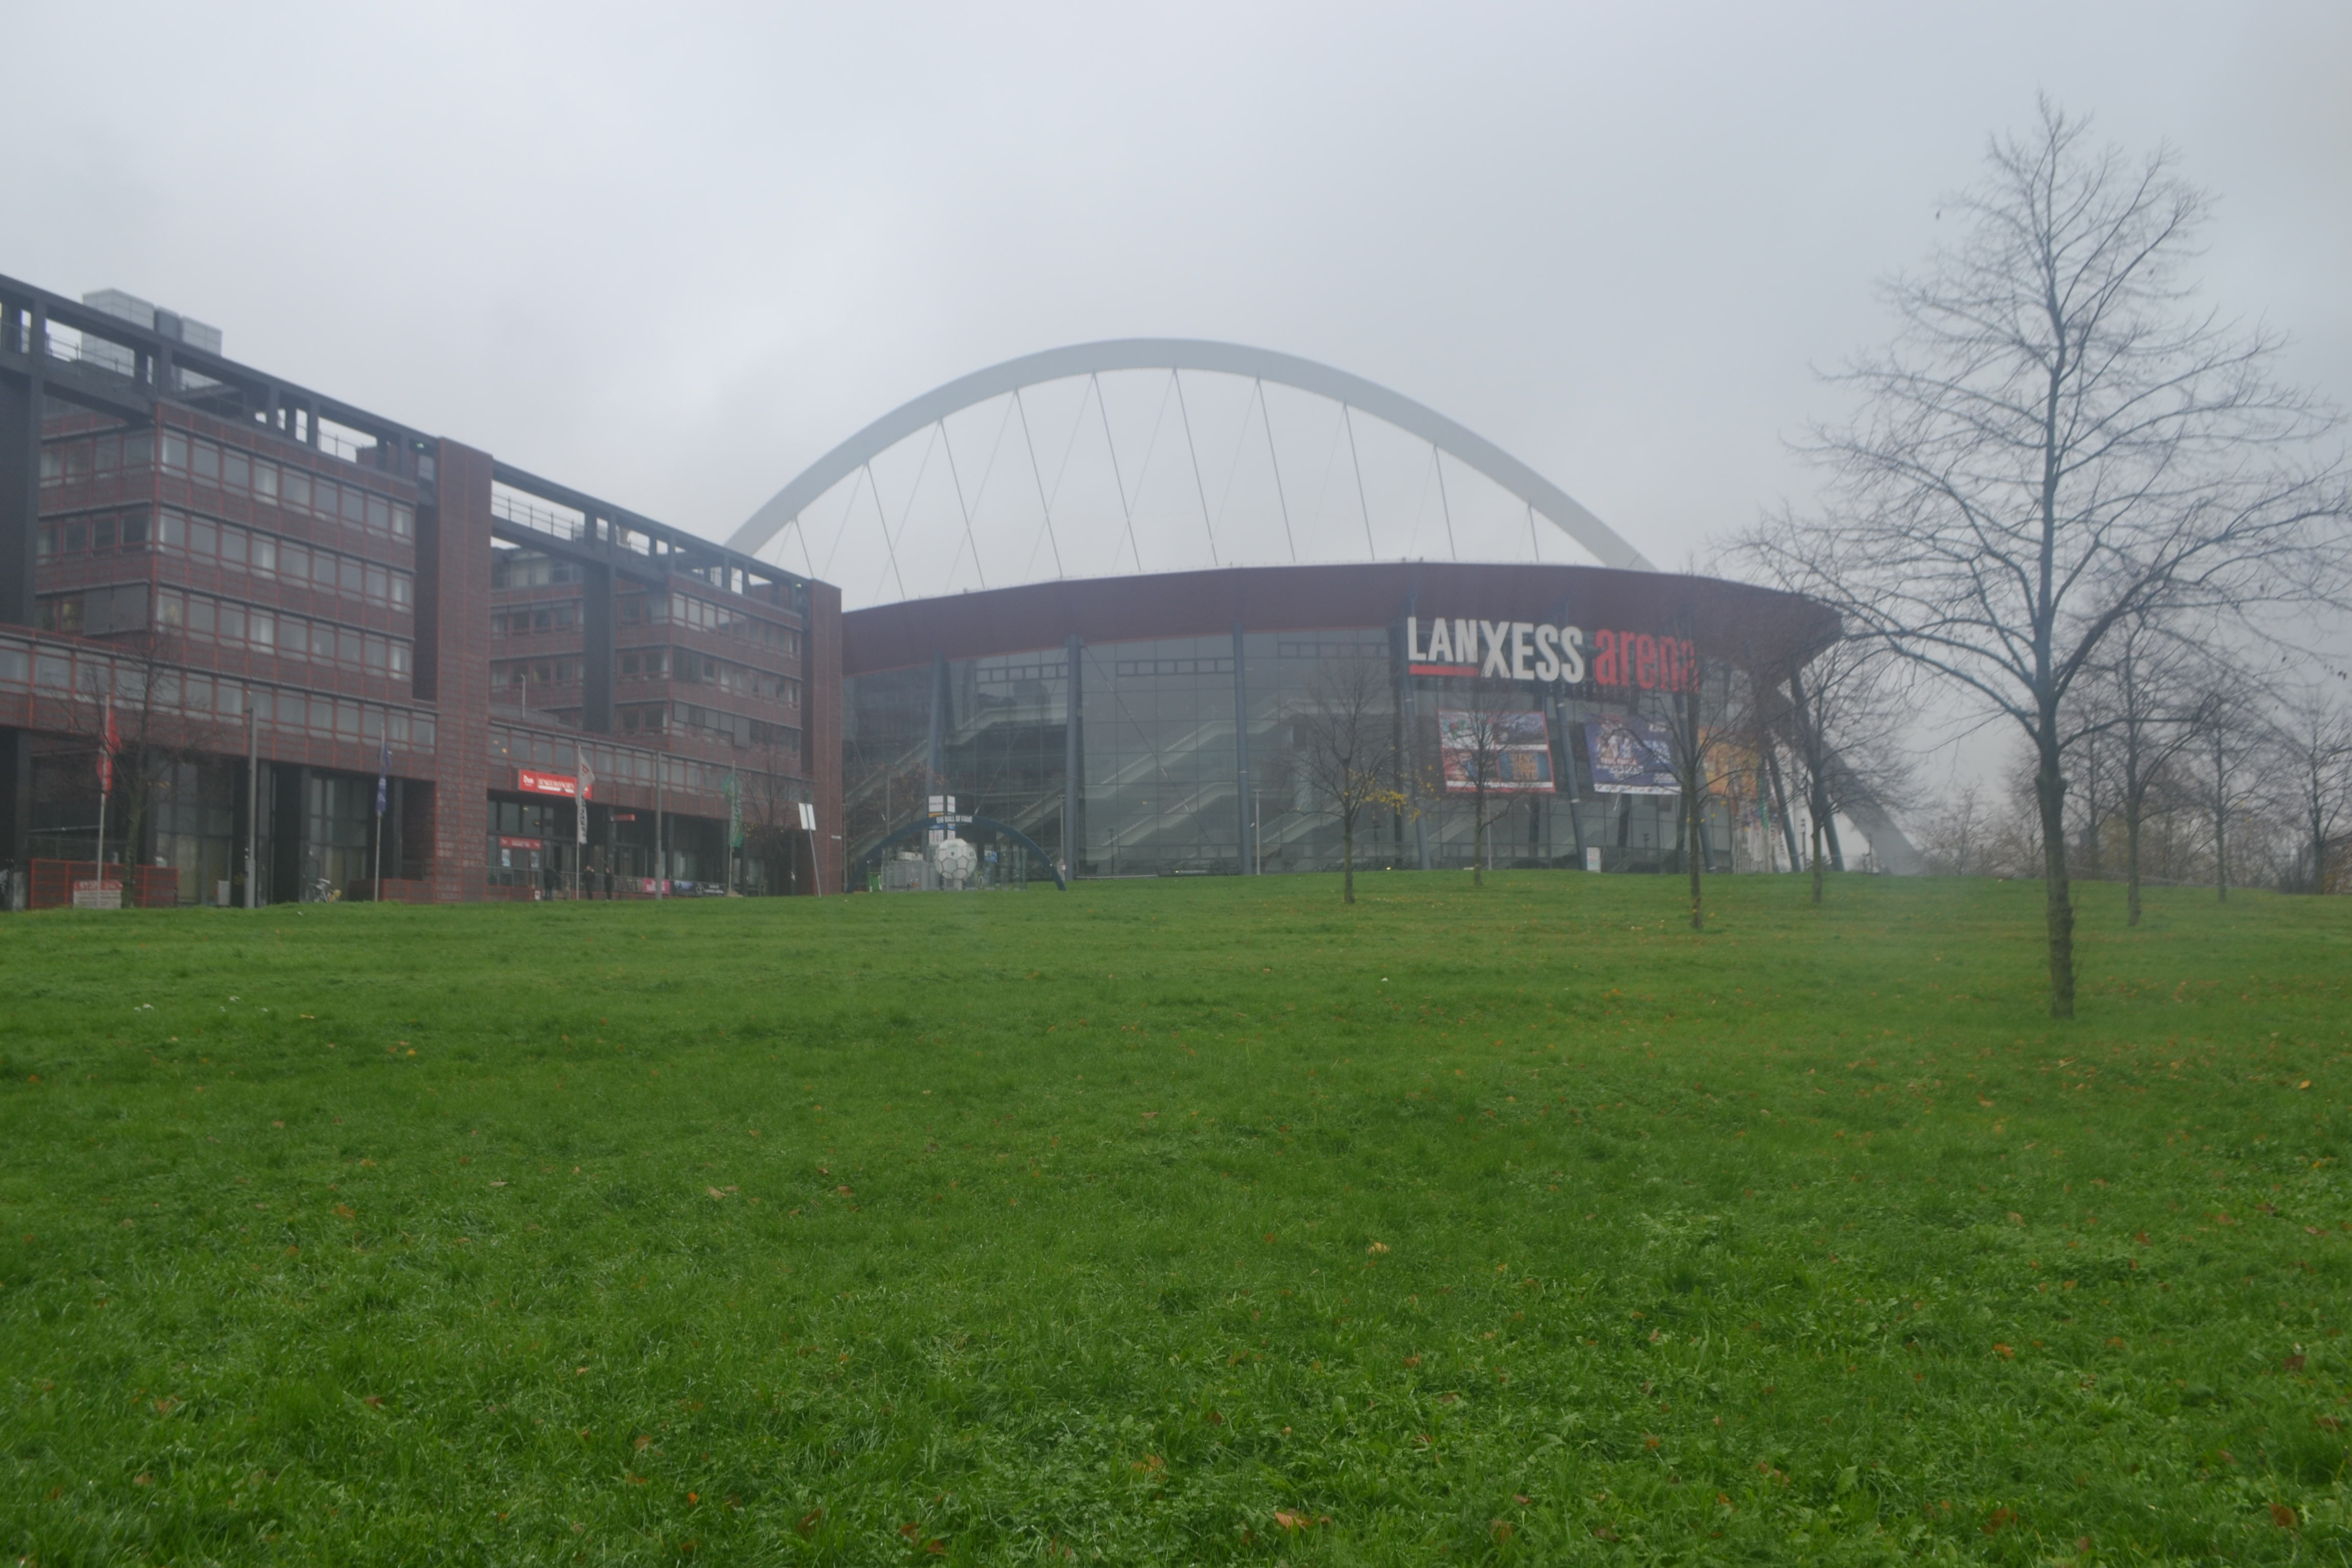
pixel 670 255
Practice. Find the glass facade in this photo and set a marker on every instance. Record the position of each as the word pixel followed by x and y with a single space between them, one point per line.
pixel 1189 761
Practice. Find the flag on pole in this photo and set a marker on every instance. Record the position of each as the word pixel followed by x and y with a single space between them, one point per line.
pixel 110 743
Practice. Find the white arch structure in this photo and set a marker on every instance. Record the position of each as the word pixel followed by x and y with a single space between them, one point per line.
pixel 1466 447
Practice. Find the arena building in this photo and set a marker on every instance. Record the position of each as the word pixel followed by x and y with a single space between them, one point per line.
pixel 1157 723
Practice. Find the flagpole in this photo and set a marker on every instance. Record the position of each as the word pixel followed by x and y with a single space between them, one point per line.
pixel 105 787
pixel 252 802
pixel 383 782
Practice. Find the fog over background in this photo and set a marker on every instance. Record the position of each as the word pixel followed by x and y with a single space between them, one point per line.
pixel 670 255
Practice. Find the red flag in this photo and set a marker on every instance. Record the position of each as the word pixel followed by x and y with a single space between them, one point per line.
pixel 112 744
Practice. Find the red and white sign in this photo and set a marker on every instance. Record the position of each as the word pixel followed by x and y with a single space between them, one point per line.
pixel 532 781
pixel 507 841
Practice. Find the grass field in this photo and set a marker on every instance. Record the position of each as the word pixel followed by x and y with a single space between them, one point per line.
pixel 1179 1222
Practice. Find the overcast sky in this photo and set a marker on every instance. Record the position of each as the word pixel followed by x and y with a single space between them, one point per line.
pixel 670 255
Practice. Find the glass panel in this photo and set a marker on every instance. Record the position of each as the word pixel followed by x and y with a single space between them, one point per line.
pixel 134 530
pixel 264 555
pixel 400 659
pixel 13 665
pixel 378 585
pixel 232 545
pixel 347 720
pixel 171 610
pixel 355 505
pixel 203 538
pixel 175 451
pixel 261 630
pixel 202 617
pixel 322 571
pixel 354 574
pixel 347 648
pixel 171 530
pixel 236 469
pixel 265 480
pixel 404 522
pixel 207 464
pixel 294 562
pixel 231 623
pixel 379 515
pixel 295 491
pixel 402 590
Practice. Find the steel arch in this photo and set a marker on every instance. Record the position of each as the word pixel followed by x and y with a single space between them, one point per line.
pixel 1466 445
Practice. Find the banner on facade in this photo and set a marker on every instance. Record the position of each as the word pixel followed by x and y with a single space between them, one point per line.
pixel 1512 750
pixel 1631 755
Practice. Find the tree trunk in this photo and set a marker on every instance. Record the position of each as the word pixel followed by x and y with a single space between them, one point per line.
pixel 1348 857
pixel 2221 831
pixel 1692 857
pixel 1817 857
pixel 2132 803
pixel 2050 793
pixel 1478 837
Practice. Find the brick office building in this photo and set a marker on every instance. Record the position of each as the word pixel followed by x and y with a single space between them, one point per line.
pixel 280 598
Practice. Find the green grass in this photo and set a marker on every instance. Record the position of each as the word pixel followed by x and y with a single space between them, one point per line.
pixel 1520 1225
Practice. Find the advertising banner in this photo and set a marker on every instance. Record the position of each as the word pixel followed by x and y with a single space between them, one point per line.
pixel 1631 755
pixel 1514 748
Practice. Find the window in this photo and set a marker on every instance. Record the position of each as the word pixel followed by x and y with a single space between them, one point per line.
pixel 322 571
pixel 175 451
pixel 203 536
pixel 45 541
pixel 232 546
pixel 171 610
pixel 265 480
pixel 379 584
pixel 74 538
pixel 264 555
pixel 404 522
pixel 207 464
pixel 261 630
pixel 171 530
pixel 379 515
pixel 237 470
pixel 294 562
pixel 353 576
pixel 400 661
pixel 101 534
pixel 323 496
pixel 134 530
pixel 296 490
pixel 355 505
pixel 403 590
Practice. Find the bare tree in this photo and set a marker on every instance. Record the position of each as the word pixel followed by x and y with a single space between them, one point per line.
pixel 1347 745
pixel 1844 721
pixel 2146 700
pixel 1478 752
pixel 2057 439
pixel 2312 744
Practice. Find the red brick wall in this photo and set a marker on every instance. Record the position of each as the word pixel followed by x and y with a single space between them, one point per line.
pixel 453 619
